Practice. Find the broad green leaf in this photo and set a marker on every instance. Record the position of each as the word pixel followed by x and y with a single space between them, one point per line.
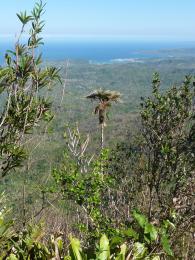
pixel 141 219
pixel 166 244
pixel 60 244
pixel 104 248
pixel 75 249
pixel 139 251
pixel 12 257
pixel 150 229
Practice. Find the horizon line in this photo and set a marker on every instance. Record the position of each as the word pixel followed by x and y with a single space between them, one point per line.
pixel 106 36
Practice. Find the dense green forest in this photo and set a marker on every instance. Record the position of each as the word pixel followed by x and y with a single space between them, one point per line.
pixel 97 160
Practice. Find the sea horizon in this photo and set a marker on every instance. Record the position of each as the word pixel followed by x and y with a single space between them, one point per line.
pixel 103 50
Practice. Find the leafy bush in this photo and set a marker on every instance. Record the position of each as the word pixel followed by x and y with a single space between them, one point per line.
pixel 22 81
pixel 28 244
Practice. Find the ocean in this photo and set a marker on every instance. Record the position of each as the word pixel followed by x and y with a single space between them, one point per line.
pixel 103 51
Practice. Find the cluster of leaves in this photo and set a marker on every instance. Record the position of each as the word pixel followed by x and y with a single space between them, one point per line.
pixel 21 82
pixel 28 244
pixel 104 98
pixel 166 123
pixel 118 248
pixel 89 191
pixel 85 189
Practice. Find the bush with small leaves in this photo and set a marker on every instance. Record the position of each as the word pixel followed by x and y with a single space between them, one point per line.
pixel 21 81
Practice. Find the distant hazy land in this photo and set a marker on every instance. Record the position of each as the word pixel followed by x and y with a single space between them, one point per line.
pixel 101 51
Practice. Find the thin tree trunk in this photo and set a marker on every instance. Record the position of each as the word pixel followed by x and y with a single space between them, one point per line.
pixel 24 209
pixel 102 147
pixel 24 204
pixel 102 136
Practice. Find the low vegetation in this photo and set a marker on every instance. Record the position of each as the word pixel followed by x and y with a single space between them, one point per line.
pixel 132 200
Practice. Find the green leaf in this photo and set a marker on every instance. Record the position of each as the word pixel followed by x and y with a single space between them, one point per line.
pixel 156 257
pixel 140 218
pixel 12 257
pixel 139 251
pixel 38 60
pixel 121 255
pixel 104 248
pixel 130 233
pixel 8 59
pixel 151 230
pixel 48 116
pixel 75 249
pixel 24 18
pixel 167 223
pixel 60 244
pixel 166 244
pixel 115 241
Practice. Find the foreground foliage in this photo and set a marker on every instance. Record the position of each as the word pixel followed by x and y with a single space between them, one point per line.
pixel 22 81
pixel 28 243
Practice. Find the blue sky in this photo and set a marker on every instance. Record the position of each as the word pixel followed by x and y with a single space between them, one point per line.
pixel 147 19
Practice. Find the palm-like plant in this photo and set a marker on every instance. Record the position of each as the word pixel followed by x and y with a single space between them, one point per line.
pixel 105 99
